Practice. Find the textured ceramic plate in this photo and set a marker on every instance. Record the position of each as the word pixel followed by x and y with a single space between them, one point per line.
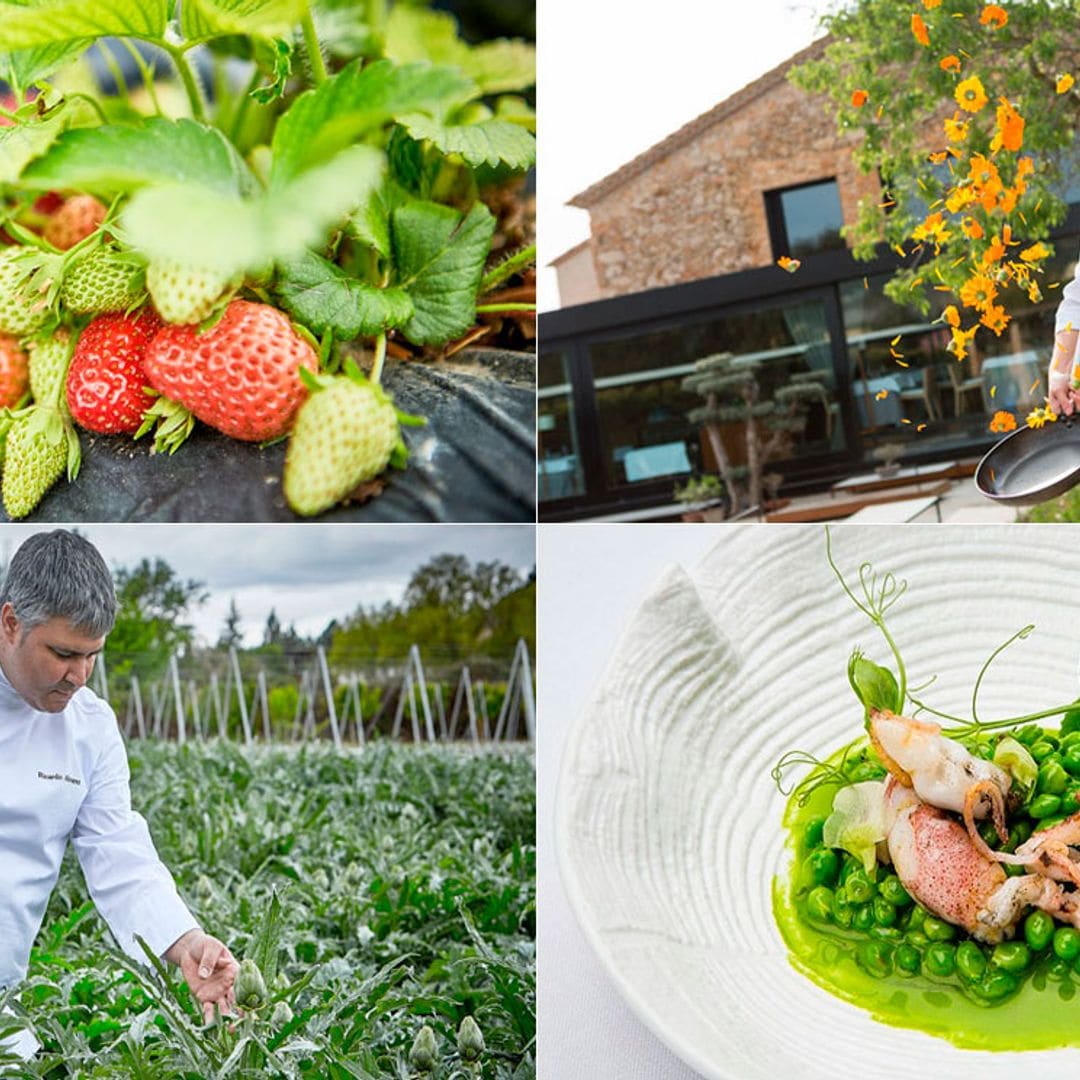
pixel 669 824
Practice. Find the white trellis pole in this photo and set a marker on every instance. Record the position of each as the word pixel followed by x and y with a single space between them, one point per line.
pixel 358 711
pixel 504 712
pixel 240 695
pixel 157 705
pixel 300 695
pixel 329 692
pixel 181 725
pixel 440 708
pixel 136 696
pixel 196 712
pixel 527 700
pixel 265 704
pixel 215 701
pixel 102 681
pixel 406 688
pixel 418 668
pixel 482 698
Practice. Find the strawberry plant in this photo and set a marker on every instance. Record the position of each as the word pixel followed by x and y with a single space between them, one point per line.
pixel 285 184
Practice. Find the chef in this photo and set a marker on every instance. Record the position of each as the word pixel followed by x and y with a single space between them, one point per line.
pixel 64 775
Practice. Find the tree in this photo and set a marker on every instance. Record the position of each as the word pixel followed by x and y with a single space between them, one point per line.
pixel 231 634
pixel 153 604
pixel 443 582
pixel 272 632
pixel 965 110
pixel 733 395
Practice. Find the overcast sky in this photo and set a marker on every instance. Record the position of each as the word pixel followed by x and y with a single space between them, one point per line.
pixel 308 573
pixel 614 79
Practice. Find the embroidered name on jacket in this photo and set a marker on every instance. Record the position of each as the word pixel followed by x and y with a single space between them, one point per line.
pixel 58 776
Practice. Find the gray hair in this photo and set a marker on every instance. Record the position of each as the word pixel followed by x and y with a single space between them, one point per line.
pixel 60 574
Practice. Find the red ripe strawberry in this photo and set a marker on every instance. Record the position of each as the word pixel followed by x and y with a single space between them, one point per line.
pixel 241 377
pixel 106 378
pixel 14 371
pixel 74 221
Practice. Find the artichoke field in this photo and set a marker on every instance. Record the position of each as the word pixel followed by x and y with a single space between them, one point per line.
pixel 380 901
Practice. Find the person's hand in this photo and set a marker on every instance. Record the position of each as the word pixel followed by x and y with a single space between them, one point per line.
pixel 1061 399
pixel 209 969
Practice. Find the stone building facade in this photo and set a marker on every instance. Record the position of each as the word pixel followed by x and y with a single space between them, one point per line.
pixel 694 206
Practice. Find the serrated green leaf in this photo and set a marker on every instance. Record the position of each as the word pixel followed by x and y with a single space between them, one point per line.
pixel 413 33
pixel 439 258
pixel 19 145
pixel 190 223
pixel 356 101
pixel 28 26
pixel 371 222
pixel 486 143
pixel 261 18
pixel 114 158
pixel 23 66
pixel 323 297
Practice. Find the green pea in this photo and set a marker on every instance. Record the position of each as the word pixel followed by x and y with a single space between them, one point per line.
pixel 875 958
pixel 819 904
pixel 863 918
pixel 867 770
pixel 1018 833
pixel 1044 806
pixel 1011 956
pixel 1029 735
pixel 1068 738
pixel 938 929
pixel 843 915
pixel 1058 969
pixel 1042 750
pixel 1038 930
pixel 998 984
pixel 1066 943
pixel 860 889
pixel 887 933
pixel 813 832
pixel 970 961
pixel 822 867
pixel 907 959
pixel 917 917
pixel 1015 871
pixel 1071 760
pixel 940 960
pixel 1053 779
pixel 989 834
pixel 918 939
pixel 884 912
pixel 894 892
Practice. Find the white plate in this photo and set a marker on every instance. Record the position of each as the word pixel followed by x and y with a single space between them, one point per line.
pixel 668 826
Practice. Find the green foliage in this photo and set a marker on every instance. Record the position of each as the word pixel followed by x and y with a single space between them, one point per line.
pixel 872 48
pixel 1062 509
pixel 376 892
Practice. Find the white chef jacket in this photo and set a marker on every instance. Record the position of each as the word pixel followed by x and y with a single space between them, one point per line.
pixel 66 775
pixel 1068 312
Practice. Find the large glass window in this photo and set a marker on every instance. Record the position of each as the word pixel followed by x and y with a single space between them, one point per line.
pixel 558 464
pixel 805 219
pixel 646 430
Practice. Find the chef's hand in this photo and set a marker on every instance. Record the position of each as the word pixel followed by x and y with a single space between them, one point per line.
pixel 209 969
pixel 1061 398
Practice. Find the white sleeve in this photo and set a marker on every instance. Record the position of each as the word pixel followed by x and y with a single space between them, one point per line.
pixel 1068 312
pixel 129 884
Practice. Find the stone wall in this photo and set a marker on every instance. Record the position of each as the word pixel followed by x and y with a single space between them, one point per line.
pixel 694 205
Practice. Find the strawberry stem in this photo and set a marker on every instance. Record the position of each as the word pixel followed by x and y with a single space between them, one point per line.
pixel 482 309
pixel 380 357
pixel 314 49
pixel 187 77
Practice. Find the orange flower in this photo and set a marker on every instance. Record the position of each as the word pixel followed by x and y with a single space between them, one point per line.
pixel 934 227
pixel 951 315
pixel 1034 292
pixel 1025 166
pixel 1002 422
pixel 994 253
pixel 960 338
pixel 978 292
pixel 949 63
pixel 788 264
pixel 970 95
pixel 956 130
pixel 960 197
pixel 1035 253
pixel 995 16
pixel 858 99
pixel 994 318
pixel 972 229
pixel 1010 128
pixel 1064 84
pixel 928 4
pixel 881 395
pixel 918 28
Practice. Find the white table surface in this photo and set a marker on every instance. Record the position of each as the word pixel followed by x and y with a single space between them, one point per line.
pixel 591 579
pixel 900 511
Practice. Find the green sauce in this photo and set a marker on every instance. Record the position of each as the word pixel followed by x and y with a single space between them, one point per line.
pixel 1038 1007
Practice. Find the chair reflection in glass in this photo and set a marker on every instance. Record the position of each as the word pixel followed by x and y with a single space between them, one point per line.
pixel 926 392
pixel 964 386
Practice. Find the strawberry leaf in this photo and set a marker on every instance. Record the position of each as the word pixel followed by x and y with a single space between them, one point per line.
pixel 115 158
pixel 358 100
pixel 191 224
pixel 488 142
pixel 24 26
pixel 19 69
pixel 323 297
pixel 19 145
pixel 413 33
pixel 439 258
pixel 200 19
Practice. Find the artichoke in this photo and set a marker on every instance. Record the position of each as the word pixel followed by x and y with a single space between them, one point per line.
pixel 470 1040
pixel 250 987
pixel 424 1055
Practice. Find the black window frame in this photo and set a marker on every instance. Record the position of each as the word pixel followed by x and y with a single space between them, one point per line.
pixel 777 224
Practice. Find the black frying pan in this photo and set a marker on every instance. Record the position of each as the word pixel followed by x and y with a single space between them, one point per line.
pixel 1032 465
